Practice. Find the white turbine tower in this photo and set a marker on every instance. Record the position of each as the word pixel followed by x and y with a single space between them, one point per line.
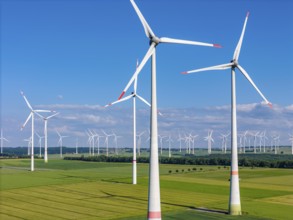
pixel 133 95
pixel 276 143
pixel 116 142
pixel 154 200
pixel 89 140
pixel 29 142
pixel 92 140
pixel 60 142
pixel 224 142
pixel 290 139
pixel 244 141
pixel 234 201
pixel 98 140
pixel 31 116
pixel 107 142
pixel 2 139
pixel 193 137
pixel 161 143
pixel 209 139
pixel 180 143
pixel 169 140
pixel 40 143
pixel 76 146
pixel 139 142
pixel 254 141
pixel 263 139
pixel 46 133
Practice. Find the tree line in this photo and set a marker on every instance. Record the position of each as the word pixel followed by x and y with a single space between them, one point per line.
pixel 272 161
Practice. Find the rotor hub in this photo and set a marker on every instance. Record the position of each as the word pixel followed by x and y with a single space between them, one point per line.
pixel 155 40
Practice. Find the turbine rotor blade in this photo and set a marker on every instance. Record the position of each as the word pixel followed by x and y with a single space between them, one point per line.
pixel 178 41
pixel 121 100
pixel 135 81
pixel 58 134
pixel 238 47
pixel 25 99
pixel 218 67
pixel 53 115
pixel 147 29
pixel 143 100
pixel 28 118
pixel 39 110
pixel 141 65
pixel 252 83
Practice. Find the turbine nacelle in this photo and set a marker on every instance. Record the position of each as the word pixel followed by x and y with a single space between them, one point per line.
pixel 234 62
pixel 155 39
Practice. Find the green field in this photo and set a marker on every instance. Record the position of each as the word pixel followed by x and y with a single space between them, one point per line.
pixel 88 190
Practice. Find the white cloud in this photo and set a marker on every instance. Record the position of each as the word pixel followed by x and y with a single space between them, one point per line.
pixel 73 120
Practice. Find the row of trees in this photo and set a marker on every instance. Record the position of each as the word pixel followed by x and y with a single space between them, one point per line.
pixel 220 160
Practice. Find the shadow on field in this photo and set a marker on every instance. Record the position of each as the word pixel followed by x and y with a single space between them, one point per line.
pixel 200 209
pixel 121 180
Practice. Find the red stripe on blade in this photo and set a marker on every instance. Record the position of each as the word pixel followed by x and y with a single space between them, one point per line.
pixel 122 94
pixel 217 45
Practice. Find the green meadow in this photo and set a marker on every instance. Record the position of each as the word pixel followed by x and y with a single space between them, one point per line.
pixel 65 189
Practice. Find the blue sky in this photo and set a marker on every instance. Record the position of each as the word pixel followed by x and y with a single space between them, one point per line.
pixel 76 56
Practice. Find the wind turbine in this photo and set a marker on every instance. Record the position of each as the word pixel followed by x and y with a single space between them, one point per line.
pixel 46 133
pixel 98 140
pixel 29 142
pixel 169 140
pixel 161 143
pixel 60 142
pixel 40 143
pixel 139 142
pixel 264 141
pixel 209 139
pixel 180 144
pixel 154 200
pixel 254 141
pixel 2 139
pixel 133 95
pixel 244 141
pixel 116 142
pixel 276 140
pixel 31 116
pixel 234 201
pixel 76 146
pixel 290 139
pixel 193 137
pixel 107 142
pixel 91 140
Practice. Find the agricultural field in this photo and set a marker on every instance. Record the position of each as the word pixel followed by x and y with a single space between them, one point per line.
pixel 64 189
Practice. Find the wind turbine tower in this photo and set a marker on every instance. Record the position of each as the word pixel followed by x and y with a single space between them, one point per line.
pixel 40 143
pixel 169 140
pixel 46 133
pixel 291 139
pixel 2 139
pixel 31 116
pixel 133 95
pixel 154 200
pixel 139 142
pixel 209 139
pixel 60 142
pixel 234 201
